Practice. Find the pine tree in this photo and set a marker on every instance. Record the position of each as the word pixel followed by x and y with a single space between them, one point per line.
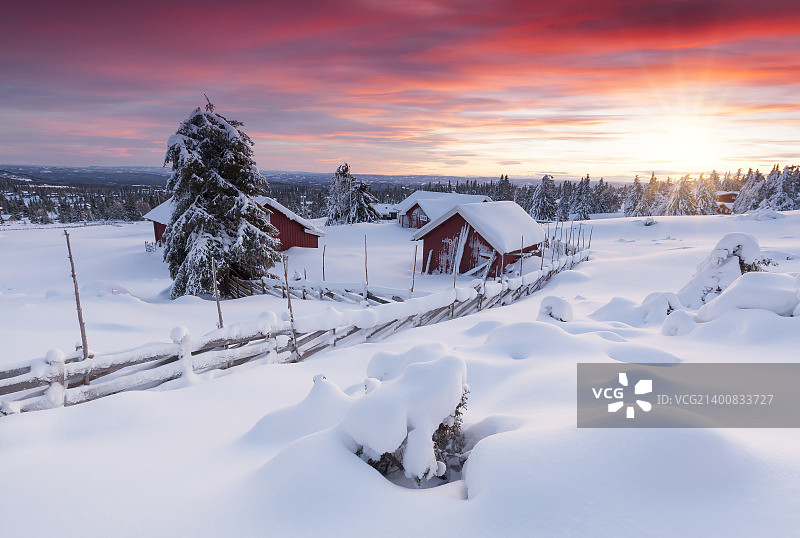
pixel 214 178
pixel 751 195
pixel 504 190
pixel 349 199
pixel 582 200
pixel 681 199
pixel 782 189
pixel 543 202
pixel 706 195
pixel 633 197
pixel 562 213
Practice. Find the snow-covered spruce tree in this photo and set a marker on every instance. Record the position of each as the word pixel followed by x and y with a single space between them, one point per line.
pixel 706 195
pixel 633 197
pixel 504 189
pixel 543 201
pixel 782 189
pixel 751 195
pixel 582 202
pixel 562 212
pixel 681 199
pixel 214 178
pixel 349 199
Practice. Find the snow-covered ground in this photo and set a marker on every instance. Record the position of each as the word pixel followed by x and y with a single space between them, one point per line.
pixel 265 450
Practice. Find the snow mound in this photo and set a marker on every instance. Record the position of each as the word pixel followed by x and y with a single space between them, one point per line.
pixel 532 463
pixel 555 307
pixel 766 213
pixel 768 291
pixel 103 287
pixel 528 339
pixel 721 268
pixel 387 365
pixel 654 310
pixel 408 408
pixel 323 407
pixel 679 322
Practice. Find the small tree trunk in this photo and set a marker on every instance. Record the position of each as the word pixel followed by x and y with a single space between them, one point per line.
pixel 323 262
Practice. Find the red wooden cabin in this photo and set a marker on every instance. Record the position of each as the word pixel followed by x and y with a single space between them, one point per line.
pixel 421 207
pixel 488 235
pixel 725 200
pixel 293 230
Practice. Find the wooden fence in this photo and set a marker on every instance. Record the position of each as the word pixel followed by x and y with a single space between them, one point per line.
pixel 60 380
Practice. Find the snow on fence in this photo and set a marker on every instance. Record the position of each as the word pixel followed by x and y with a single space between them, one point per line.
pixel 60 379
pixel 301 288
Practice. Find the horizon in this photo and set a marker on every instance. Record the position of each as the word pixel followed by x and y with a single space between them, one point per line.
pixel 427 88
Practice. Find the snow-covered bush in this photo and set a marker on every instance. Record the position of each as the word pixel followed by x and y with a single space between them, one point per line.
pixel 412 422
pixel 735 254
pixel 767 291
pixel 555 307
pixel 679 322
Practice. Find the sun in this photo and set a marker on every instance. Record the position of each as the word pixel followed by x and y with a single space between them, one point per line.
pixel 682 142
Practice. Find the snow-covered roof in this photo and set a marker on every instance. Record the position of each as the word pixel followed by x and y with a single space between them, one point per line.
pixel 503 225
pixel 384 209
pixel 163 213
pixel 291 215
pixel 452 198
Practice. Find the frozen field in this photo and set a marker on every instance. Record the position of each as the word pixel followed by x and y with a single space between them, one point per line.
pixel 260 451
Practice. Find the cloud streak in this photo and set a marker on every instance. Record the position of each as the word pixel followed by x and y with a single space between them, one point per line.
pixel 473 88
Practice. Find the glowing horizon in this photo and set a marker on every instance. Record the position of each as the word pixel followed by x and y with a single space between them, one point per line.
pixel 430 87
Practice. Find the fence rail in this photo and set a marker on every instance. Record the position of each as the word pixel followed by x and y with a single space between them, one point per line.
pixel 59 379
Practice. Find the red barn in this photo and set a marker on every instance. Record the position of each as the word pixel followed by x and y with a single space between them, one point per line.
pixel 293 230
pixel 478 237
pixel 421 207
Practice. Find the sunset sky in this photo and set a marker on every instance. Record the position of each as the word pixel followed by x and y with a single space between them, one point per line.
pixel 612 88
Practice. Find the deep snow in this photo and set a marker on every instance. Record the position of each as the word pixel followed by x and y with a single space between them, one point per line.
pixel 260 451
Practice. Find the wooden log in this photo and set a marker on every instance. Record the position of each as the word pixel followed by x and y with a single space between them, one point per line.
pixel 14 372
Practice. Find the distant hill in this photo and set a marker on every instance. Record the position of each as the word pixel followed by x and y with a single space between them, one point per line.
pixel 158 176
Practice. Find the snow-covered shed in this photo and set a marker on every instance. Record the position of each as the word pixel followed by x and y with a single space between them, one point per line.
pixel 293 230
pixel 481 238
pixel 422 207
pixel 386 211
pixel 160 216
pixel 725 200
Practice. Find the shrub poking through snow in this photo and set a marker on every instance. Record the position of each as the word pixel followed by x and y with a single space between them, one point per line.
pixel 556 308
pixel 412 423
pixel 766 291
pixel 734 255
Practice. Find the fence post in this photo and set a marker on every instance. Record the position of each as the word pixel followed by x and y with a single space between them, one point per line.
pixel 414 270
pixel 84 344
pixel 57 393
pixel 216 292
pixel 181 336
